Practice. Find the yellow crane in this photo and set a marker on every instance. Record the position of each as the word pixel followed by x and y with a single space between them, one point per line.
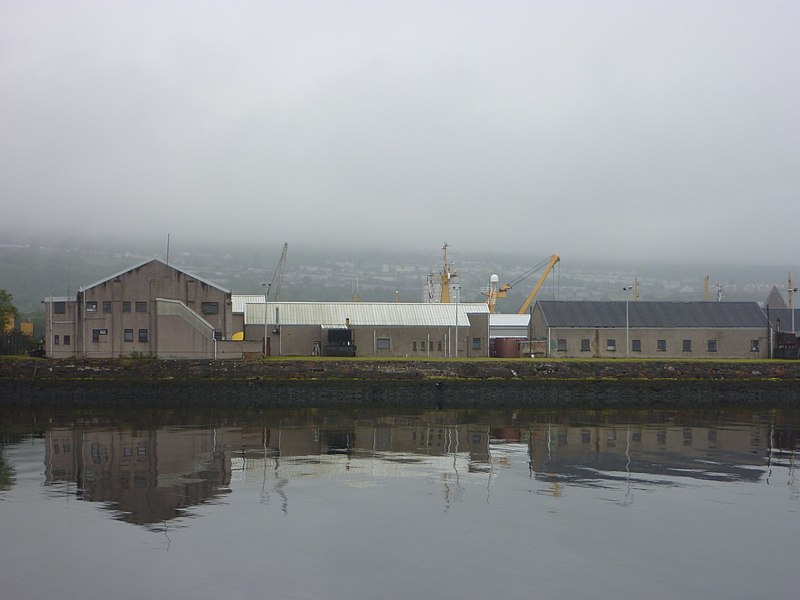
pixel 494 292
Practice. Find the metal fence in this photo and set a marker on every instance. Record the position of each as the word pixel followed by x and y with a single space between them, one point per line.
pixel 16 342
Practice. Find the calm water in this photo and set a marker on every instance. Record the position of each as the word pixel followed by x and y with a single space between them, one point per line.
pixel 436 504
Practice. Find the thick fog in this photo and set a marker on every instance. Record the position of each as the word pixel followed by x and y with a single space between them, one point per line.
pixel 597 130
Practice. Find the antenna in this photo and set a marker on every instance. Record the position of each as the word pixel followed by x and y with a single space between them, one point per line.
pixel 167 249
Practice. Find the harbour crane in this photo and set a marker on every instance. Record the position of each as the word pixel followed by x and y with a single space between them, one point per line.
pixel 277 277
pixel 493 292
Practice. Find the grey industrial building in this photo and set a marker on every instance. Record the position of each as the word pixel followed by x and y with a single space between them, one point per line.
pixel 420 330
pixel 651 329
pixel 150 309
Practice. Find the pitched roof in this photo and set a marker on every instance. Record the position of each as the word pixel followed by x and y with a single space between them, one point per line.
pixel 775 299
pixel 652 314
pixel 155 260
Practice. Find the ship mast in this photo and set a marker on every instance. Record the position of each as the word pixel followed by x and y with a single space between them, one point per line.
pixel 444 277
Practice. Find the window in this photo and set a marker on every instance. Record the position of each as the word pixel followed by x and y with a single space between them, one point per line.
pixel 143 335
pixel 687 345
pixel 561 345
pixel 712 345
pixel 636 345
pixel 438 346
pixel 476 343
pixel 423 346
pixel 661 346
pixel 67 340
pixel 59 308
pixel 106 306
pixel 128 336
pixel 95 335
pixel 126 306
pixel 56 340
pixel 382 343
pixel 611 345
pixel 753 345
pixel 141 307
pixel 91 306
pixel 210 308
pixel 585 347
pixel 414 346
pixel 218 336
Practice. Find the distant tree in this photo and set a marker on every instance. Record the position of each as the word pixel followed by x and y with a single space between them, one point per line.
pixel 7 310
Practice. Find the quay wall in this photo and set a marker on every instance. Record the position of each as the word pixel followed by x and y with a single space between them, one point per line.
pixel 360 369
pixel 132 383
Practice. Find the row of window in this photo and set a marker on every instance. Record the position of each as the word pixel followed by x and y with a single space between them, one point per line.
pixel 207 308
pixel 97 335
pixel 127 335
pixel 636 345
pixel 424 346
pixel 139 306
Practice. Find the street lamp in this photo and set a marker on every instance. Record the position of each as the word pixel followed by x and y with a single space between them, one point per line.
pixel 627 289
pixel 266 301
pixel 457 289
pixel 791 292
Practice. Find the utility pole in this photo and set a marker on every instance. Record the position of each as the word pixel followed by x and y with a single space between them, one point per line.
pixel 627 289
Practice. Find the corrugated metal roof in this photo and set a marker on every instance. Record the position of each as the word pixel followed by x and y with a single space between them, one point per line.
pixel 512 325
pixel 387 314
pixel 652 314
pixel 499 320
pixel 141 264
pixel 239 301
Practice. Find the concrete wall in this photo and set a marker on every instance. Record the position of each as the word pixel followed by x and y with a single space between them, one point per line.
pixel 179 339
pixel 730 343
pixel 61 337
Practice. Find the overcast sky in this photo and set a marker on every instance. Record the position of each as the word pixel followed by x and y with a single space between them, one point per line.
pixel 588 129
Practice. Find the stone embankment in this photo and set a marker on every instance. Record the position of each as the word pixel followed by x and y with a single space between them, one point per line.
pixel 416 370
pixel 319 383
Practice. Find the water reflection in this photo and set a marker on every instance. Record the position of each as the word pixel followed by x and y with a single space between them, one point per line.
pixel 144 477
pixel 151 475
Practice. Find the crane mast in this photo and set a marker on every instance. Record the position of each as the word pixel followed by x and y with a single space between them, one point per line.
pixel 525 305
pixel 277 277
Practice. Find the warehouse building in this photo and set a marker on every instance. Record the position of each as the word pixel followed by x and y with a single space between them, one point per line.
pixel 717 330
pixel 416 330
pixel 150 309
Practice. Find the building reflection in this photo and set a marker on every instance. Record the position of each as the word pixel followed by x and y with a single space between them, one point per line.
pixel 149 477
pixel 145 477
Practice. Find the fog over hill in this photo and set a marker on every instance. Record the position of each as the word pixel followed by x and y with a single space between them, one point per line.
pixel 32 269
pixel 609 132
